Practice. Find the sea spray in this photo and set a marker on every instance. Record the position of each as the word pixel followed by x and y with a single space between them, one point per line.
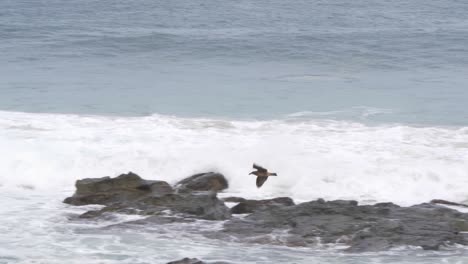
pixel 313 158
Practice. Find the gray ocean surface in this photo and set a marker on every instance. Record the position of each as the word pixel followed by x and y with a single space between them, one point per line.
pixel 365 60
pixel 360 100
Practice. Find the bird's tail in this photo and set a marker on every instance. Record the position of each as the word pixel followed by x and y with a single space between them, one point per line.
pixel 272 174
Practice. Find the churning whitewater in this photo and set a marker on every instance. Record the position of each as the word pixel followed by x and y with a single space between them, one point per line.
pixel 314 158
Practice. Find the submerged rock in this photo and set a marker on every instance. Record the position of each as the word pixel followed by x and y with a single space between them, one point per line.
pixel 194 261
pixel 187 261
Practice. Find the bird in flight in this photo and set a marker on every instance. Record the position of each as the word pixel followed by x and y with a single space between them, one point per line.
pixel 262 174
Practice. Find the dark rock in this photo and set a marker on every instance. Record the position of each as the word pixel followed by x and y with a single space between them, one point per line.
pixel 210 181
pixel 201 205
pixel 438 201
pixel 361 227
pixel 275 221
pixel 431 246
pixel 344 202
pixel 156 187
pixel 385 205
pixel 124 188
pixel 129 194
pixel 248 206
pixel 320 200
pixel 461 225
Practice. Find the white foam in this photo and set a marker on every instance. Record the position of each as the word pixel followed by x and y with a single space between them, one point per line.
pixel 356 112
pixel 329 159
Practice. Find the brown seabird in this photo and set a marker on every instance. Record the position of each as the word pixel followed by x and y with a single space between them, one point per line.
pixel 262 174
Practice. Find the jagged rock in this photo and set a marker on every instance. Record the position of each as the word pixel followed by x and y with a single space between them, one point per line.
pixel 361 227
pixel 129 194
pixel 248 206
pixel 275 221
pixel 124 188
pixel 202 205
pixel 210 181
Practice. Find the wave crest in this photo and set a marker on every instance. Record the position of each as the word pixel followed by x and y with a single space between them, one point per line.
pixel 325 158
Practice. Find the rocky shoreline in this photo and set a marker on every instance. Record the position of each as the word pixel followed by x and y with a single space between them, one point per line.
pixel 277 221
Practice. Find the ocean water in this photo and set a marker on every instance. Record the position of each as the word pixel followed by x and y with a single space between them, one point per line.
pixel 361 100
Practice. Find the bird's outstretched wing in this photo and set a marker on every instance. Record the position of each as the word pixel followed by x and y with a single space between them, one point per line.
pixel 259 168
pixel 261 181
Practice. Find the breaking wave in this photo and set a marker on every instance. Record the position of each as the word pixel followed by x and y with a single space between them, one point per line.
pixel 313 158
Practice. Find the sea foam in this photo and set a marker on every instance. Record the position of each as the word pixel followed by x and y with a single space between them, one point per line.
pixel 313 158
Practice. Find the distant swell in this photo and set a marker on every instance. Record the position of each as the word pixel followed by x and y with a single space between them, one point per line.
pixel 313 158
pixel 353 113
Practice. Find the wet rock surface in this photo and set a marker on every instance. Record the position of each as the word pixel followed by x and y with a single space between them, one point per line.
pixel 249 206
pixel 123 188
pixel 129 194
pixel 277 221
pixel 210 181
pixel 362 228
pixel 439 201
